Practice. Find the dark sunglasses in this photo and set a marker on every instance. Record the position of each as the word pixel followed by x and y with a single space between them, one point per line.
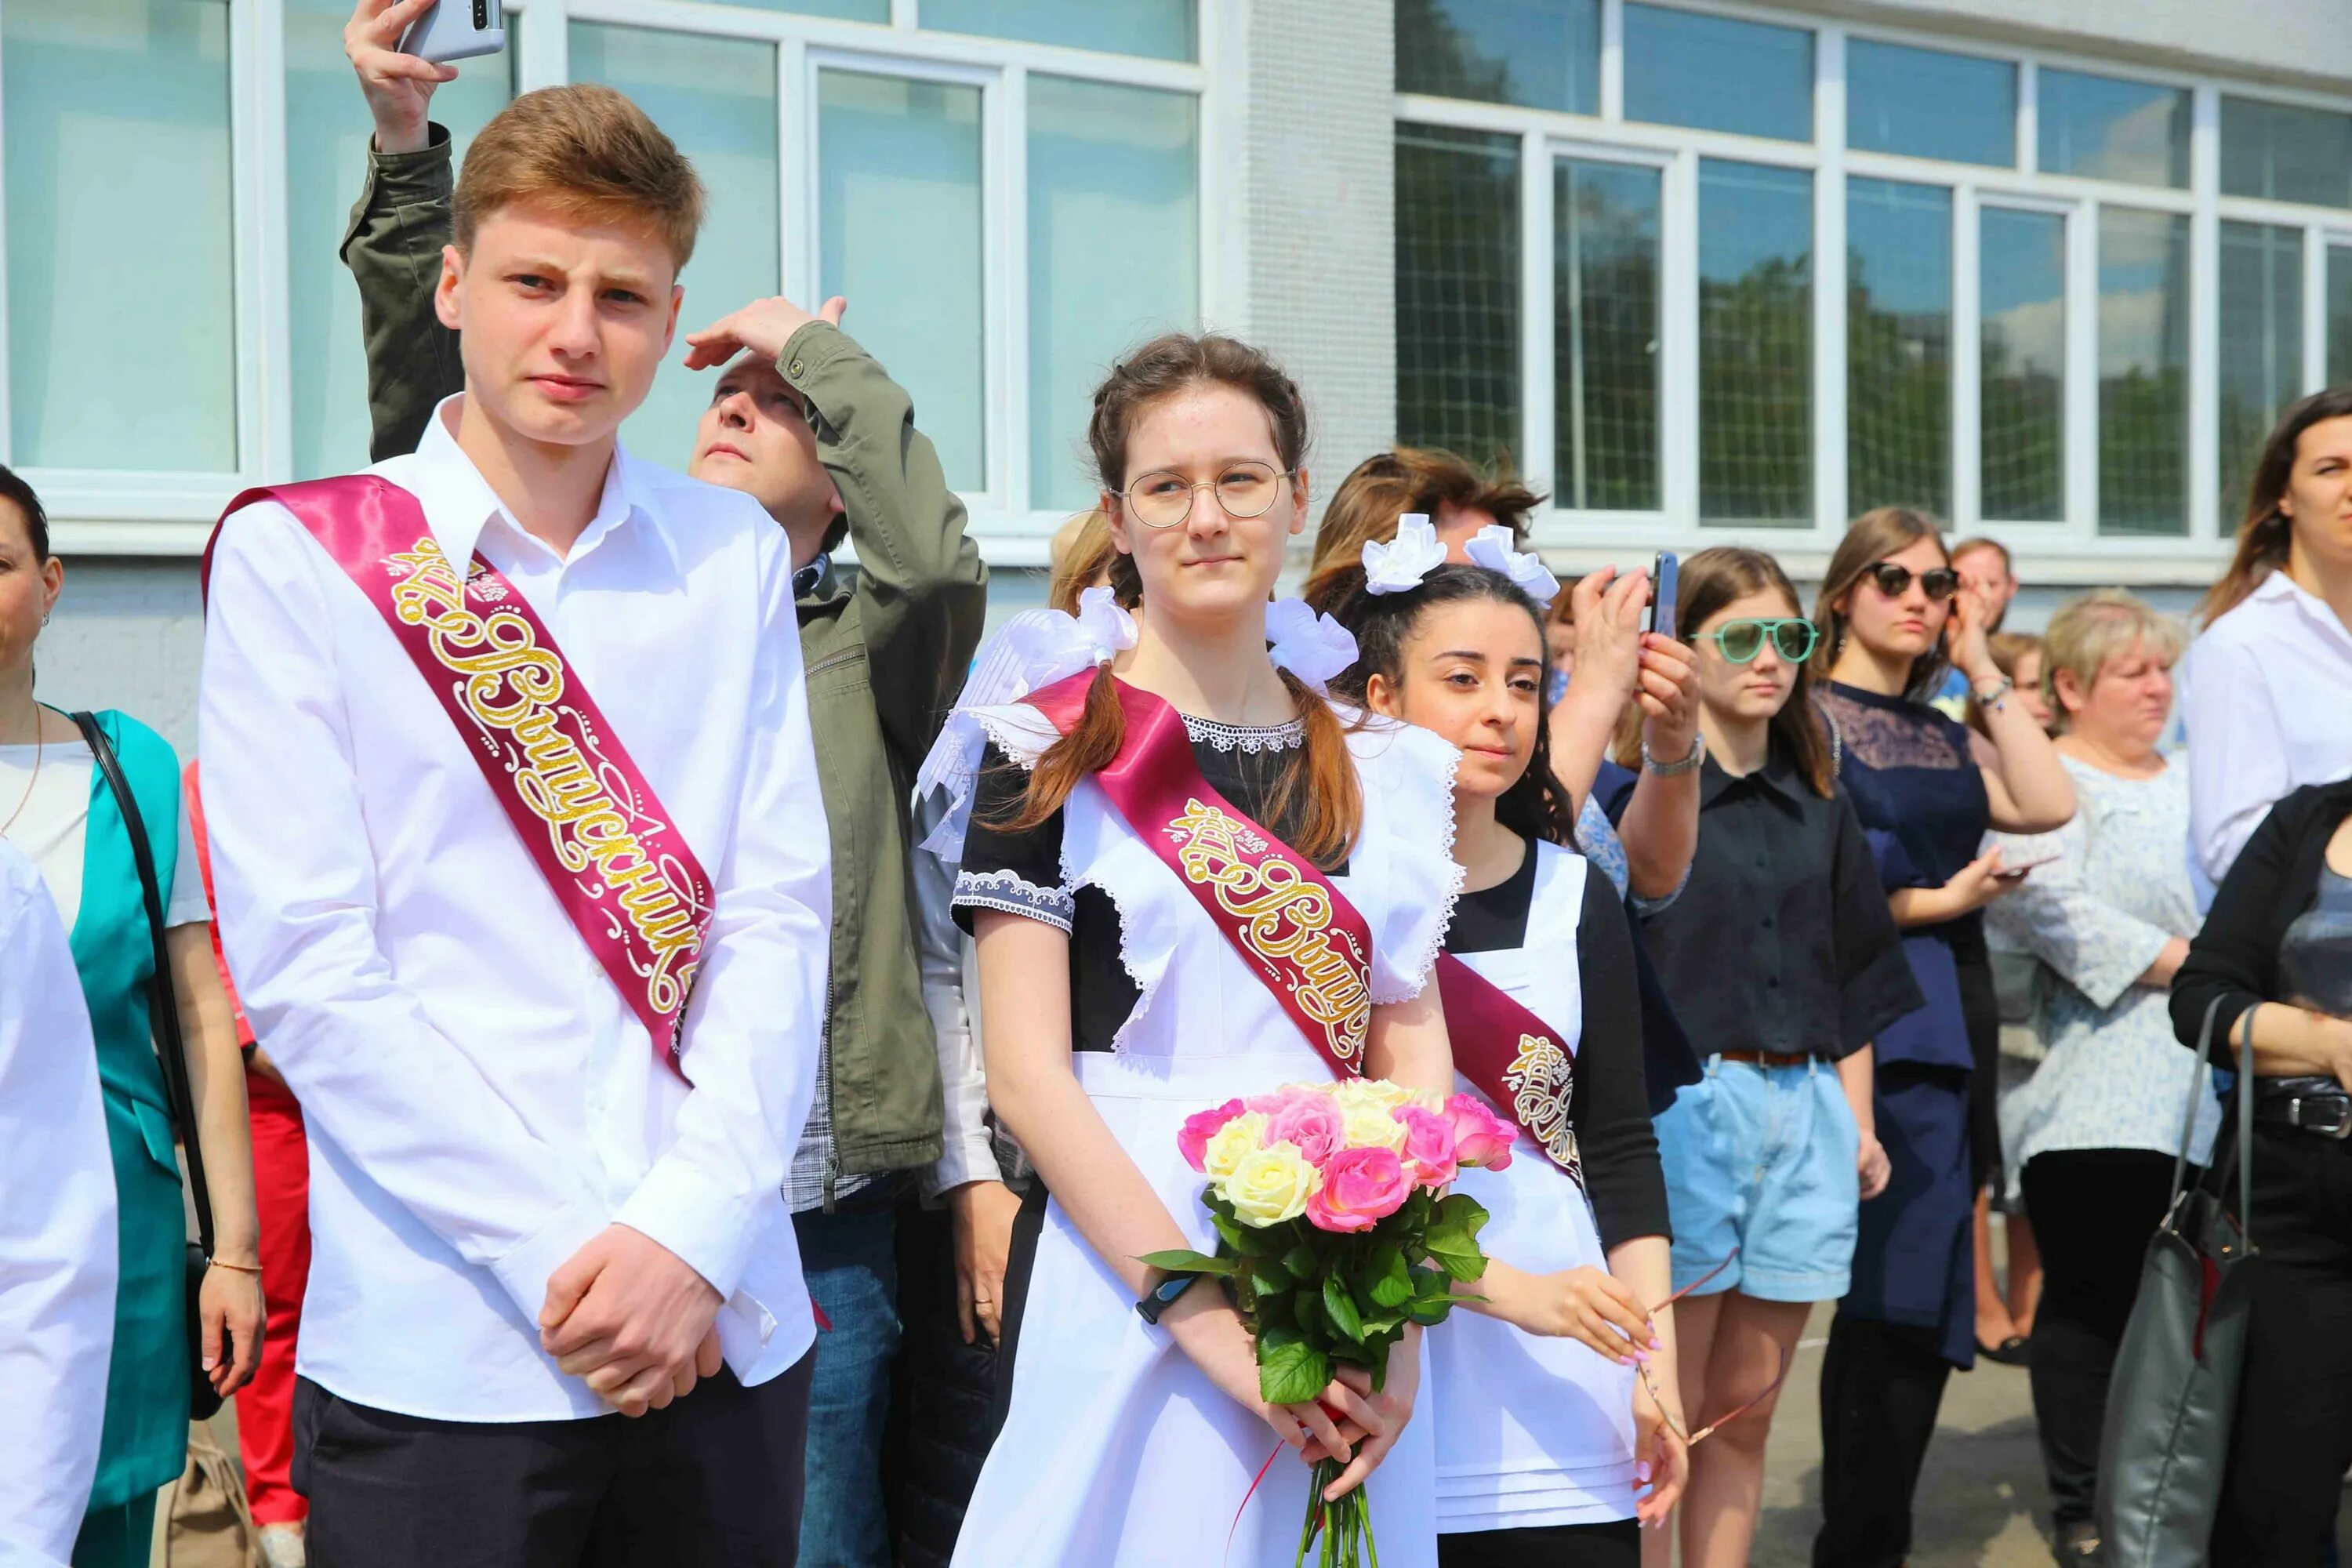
pixel 1891 580
pixel 1742 641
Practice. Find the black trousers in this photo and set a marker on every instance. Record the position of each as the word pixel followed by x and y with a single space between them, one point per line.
pixel 713 1481
pixel 943 1398
pixel 1881 1384
pixel 1616 1545
pixel 2292 1439
pixel 2092 1212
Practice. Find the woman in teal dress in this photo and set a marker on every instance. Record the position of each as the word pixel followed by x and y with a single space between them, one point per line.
pixel 55 807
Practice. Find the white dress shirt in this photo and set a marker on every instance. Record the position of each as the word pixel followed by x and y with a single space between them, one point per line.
pixel 480 1099
pixel 2267 701
pixel 56 1229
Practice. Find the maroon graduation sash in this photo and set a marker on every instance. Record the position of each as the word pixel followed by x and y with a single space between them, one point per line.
pixel 1297 933
pixel 618 866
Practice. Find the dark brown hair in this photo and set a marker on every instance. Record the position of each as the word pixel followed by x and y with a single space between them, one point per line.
pixel 1314 803
pixel 587 155
pixel 14 489
pixel 1536 806
pixel 1385 486
pixel 1714 578
pixel 2265 532
pixel 1876 534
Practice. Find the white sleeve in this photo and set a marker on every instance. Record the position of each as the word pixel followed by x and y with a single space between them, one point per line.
pixel 186 904
pixel 967 1153
pixel 2237 753
pixel 756 1025
pixel 296 881
pixel 56 1229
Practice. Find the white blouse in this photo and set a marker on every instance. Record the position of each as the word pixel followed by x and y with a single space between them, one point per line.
pixel 53 829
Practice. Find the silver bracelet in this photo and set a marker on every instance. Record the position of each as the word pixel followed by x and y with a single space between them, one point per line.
pixel 1668 769
pixel 1993 699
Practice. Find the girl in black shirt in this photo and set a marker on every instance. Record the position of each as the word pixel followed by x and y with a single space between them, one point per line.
pixel 1783 961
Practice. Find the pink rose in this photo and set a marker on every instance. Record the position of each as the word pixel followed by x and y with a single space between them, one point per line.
pixel 1429 1153
pixel 1193 1138
pixel 1481 1138
pixel 1361 1188
pixel 1313 1123
pixel 1266 1104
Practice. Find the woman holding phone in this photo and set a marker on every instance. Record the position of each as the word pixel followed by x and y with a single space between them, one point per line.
pixel 1892 617
pixel 1785 960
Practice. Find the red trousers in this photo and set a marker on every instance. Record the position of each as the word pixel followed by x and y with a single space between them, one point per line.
pixel 265 1408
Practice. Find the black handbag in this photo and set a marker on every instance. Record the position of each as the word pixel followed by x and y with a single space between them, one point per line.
pixel 2165 1442
pixel 172 1053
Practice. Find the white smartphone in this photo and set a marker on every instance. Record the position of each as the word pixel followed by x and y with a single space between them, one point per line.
pixel 455 30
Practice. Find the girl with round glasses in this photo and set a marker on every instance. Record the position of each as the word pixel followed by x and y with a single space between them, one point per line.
pixel 1782 956
pixel 1892 617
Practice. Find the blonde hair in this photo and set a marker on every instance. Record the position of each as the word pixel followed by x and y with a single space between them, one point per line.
pixel 1082 554
pixel 586 154
pixel 2088 631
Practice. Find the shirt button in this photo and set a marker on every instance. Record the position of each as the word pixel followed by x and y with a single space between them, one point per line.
pixel 1767 922
pixel 1773 981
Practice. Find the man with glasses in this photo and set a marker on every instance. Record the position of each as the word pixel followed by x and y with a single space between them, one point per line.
pixel 805 422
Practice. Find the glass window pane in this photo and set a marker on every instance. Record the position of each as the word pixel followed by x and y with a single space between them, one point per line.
pixel 1114 253
pixel 849 10
pixel 2143 372
pixel 1457 291
pixel 1755 344
pixel 2286 153
pixel 327 135
pixel 2261 346
pixel 2339 315
pixel 1930 104
pixel 119 244
pixel 2104 129
pixel 1898 346
pixel 716 99
pixel 1160 28
pixel 2021 380
pixel 899 223
pixel 1717 74
pixel 1545 53
pixel 1605 335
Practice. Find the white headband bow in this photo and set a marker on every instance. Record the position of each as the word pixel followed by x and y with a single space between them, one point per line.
pixel 1491 547
pixel 1398 568
pixel 1311 646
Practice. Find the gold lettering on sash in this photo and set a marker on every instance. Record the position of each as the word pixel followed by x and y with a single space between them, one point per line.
pixel 1538 1078
pixel 515 689
pixel 1284 923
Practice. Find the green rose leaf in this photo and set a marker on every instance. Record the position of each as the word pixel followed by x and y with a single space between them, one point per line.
pixel 1451 1241
pixel 1340 1308
pixel 1263 1284
pixel 1179 1260
pixel 1270 1267
pixel 1289 1370
pixel 1387 1281
pixel 1300 1261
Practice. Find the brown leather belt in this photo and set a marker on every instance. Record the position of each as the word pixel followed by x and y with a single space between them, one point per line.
pixel 1769 1058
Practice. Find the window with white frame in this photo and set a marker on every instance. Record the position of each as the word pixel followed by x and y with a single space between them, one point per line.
pixel 1008 192
pixel 1696 266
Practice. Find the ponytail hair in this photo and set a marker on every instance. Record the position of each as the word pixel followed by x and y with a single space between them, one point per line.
pixel 1317 804
pixel 1535 806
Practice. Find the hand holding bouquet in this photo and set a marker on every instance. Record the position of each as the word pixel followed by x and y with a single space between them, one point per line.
pixel 1333 1232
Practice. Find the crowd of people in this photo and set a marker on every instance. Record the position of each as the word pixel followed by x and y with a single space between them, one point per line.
pixel 679 1049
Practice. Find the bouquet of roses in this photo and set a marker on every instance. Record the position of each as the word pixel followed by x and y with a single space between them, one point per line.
pixel 1334 1231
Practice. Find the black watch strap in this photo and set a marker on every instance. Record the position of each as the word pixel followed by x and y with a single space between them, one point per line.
pixel 1163 1296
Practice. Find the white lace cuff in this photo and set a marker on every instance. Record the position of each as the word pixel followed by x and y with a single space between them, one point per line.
pixel 1015 894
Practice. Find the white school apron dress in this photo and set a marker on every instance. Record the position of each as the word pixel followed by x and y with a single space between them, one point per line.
pixel 1536 1431
pixel 1115 1449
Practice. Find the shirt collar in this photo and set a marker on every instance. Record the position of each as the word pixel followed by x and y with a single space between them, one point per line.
pixel 2278 585
pixel 1778 774
pixel 459 503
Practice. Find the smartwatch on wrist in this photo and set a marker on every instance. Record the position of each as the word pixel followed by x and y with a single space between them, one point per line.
pixel 1163 1296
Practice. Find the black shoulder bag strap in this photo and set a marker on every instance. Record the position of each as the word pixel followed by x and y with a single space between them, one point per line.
pixel 171 1050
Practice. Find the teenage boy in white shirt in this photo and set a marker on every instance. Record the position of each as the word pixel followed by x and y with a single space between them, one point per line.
pixel 546 1163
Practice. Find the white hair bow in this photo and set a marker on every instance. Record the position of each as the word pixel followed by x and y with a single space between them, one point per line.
pixel 1311 646
pixel 1398 567
pixel 1491 547
pixel 1107 629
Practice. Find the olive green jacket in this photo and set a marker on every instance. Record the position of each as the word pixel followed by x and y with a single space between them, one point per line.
pixel 884 654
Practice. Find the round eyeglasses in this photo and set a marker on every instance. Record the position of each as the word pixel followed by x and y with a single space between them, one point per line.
pixel 1742 641
pixel 1162 500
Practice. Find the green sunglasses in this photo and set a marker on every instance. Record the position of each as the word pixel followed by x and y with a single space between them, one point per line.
pixel 1740 641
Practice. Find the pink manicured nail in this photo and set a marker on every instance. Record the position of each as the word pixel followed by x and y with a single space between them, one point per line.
pixel 1641 1355
pixel 1642 1470
pixel 1657 1344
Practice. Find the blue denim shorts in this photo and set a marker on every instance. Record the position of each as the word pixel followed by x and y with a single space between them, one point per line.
pixel 1760 1162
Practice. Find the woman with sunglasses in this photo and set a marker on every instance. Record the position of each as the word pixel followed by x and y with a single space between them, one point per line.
pixel 1555 1441
pixel 1782 955
pixel 1893 616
